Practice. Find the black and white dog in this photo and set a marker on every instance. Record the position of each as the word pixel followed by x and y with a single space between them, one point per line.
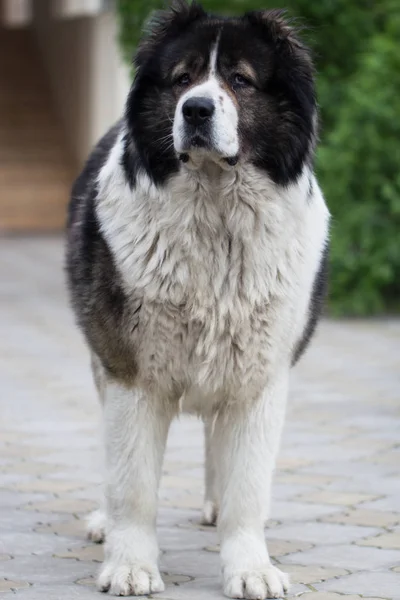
pixel 197 243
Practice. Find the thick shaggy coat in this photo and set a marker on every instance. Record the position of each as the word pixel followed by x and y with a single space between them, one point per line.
pixel 197 250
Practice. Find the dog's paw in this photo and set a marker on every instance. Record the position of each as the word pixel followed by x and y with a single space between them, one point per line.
pixel 131 579
pixel 267 582
pixel 210 513
pixel 96 526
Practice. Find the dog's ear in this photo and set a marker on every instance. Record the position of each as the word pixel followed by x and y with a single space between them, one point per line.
pixel 165 23
pixel 275 26
pixel 284 36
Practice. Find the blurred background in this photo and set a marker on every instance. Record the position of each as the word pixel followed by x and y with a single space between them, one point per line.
pixel 65 72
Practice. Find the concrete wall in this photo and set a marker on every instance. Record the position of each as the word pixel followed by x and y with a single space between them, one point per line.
pixel 87 79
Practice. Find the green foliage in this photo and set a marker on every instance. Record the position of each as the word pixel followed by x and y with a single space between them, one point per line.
pixel 356 50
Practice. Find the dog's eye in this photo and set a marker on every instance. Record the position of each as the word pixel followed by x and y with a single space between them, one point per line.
pixel 183 80
pixel 238 81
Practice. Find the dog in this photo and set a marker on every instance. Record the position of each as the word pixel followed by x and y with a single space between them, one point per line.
pixel 196 257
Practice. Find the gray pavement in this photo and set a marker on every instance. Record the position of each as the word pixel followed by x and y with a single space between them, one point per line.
pixel 335 522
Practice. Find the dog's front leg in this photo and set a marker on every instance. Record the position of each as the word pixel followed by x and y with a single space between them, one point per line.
pixel 246 443
pixel 136 427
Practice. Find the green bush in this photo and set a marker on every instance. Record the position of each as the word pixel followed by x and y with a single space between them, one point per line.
pixel 355 44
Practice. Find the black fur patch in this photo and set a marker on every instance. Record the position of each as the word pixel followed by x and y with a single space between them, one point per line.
pixel 130 161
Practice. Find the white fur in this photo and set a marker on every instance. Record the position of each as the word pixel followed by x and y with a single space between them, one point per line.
pixel 224 125
pixel 136 427
pixel 223 263
pixel 246 441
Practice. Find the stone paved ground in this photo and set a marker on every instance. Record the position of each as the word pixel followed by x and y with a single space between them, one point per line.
pixel 336 513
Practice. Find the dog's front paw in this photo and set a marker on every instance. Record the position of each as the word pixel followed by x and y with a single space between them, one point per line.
pixel 96 526
pixel 258 584
pixel 130 579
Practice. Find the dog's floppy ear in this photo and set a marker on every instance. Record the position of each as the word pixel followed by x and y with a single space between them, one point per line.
pixel 283 35
pixel 164 23
pixel 275 25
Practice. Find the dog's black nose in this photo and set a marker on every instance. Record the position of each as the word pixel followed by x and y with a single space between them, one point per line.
pixel 197 110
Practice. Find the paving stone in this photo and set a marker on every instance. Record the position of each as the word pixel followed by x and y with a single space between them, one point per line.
pixel 332 596
pixel 172 466
pixel 311 574
pixel 323 533
pixel 193 563
pixel 49 485
pixel 349 470
pixel 94 493
pixel 288 491
pixel 60 505
pixel 380 486
pixel 344 556
pixel 14 499
pixel 304 478
pixel 87 581
pixel 275 547
pixel 330 497
pixel 169 517
pixel 46 569
pixel 385 540
pixel 204 588
pixel 63 591
pixel 19 543
pixel 8 585
pixel 12 520
pixel 362 516
pixel 388 458
pixel 288 463
pixel 29 468
pixel 184 483
pixel 175 538
pixel 73 528
pixel 20 451
pixel 181 501
pixel 282 510
pixel 200 589
pixel 380 584
pixel 388 504
pixel 94 553
pixel 196 526
pixel 281 547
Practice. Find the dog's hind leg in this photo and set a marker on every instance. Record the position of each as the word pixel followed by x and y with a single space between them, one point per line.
pixel 210 508
pixel 96 521
pixel 96 526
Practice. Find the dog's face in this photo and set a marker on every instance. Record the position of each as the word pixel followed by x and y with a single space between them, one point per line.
pixel 226 90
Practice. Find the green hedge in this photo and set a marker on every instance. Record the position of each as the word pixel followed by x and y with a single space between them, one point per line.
pixel 356 49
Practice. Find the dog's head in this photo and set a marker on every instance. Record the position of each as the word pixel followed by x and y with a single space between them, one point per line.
pixel 228 90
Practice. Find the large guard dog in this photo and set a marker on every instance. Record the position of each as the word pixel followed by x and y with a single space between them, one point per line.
pixel 197 244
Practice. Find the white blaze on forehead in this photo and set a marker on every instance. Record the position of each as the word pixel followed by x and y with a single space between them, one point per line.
pixel 224 124
pixel 214 56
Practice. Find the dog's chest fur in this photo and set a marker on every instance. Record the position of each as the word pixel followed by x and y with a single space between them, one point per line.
pixel 217 264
